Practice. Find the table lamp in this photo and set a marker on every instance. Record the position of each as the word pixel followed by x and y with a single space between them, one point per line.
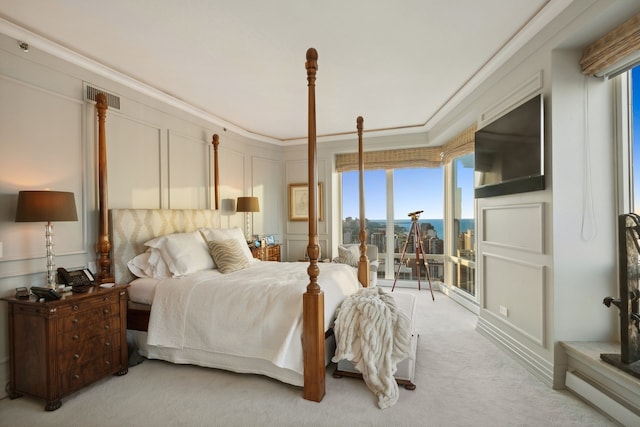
pixel 47 206
pixel 247 204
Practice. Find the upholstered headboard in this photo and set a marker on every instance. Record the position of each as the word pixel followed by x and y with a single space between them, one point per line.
pixel 131 228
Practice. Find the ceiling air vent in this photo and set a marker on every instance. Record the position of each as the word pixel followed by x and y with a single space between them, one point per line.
pixel 113 101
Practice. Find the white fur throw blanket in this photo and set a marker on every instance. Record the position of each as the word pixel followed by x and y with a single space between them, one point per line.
pixel 374 335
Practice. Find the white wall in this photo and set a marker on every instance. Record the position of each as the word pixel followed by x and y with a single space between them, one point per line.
pixel 585 206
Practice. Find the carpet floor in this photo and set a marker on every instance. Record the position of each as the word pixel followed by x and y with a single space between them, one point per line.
pixel 462 380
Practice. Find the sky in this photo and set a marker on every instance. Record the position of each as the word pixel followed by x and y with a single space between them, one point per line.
pixel 635 118
pixel 414 190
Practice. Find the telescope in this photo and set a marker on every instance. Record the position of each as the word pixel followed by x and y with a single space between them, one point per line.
pixel 414 213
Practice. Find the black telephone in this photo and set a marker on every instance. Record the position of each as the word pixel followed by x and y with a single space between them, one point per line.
pixel 47 294
pixel 75 278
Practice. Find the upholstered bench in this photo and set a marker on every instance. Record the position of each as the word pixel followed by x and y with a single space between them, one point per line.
pixel 405 373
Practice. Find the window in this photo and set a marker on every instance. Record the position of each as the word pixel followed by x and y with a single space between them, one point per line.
pixel 375 207
pixel 634 130
pixel 390 195
pixel 463 243
pixel 629 123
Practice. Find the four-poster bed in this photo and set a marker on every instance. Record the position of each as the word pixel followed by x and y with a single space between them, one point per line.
pixel 130 229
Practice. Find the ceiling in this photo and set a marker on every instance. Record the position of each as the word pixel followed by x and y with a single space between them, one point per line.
pixel 398 64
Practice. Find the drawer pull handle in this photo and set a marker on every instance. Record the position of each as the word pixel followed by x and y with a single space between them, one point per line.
pixel 106 327
pixel 76 356
pixel 107 344
pixel 76 377
pixel 75 337
pixel 75 307
pixel 106 299
pixel 74 320
pixel 106 362
pixel 105 311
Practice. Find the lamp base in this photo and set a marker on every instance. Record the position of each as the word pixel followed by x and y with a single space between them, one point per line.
pixel 51 265
pixel 248 228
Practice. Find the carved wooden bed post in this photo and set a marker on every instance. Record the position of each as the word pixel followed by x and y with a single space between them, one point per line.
pixel 313 298
pixel 363 263
pixel 216 173
pixel 104 245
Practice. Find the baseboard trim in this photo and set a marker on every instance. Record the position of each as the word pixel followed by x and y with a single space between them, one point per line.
pixel 541 368
pixel 583 388
pixel 464 299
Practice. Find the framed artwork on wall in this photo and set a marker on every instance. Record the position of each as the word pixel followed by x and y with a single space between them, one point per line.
pixel 299 202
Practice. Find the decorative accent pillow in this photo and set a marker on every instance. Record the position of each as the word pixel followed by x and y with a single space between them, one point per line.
pixel 184 253
pixel 228 255
pixel 235 233
pixel 349 254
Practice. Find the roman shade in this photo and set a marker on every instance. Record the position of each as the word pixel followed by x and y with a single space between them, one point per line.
pixel 429 157
pixel 615 52
pixel 390 159
pixel 460 145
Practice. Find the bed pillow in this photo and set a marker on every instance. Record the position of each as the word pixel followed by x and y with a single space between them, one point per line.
pixel 216 234
pixel 158 266
pixel 184 253
pixel 139 265
pixel 149 264
pixel 228 255
pixel 349 255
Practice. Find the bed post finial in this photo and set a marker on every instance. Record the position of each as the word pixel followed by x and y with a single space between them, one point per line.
pixel 216 174
pixel 103 245
pixel 363 263
pixel 313 299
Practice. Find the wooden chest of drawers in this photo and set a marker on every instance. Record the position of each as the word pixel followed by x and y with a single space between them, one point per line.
pixel 58 347
pixel 267 253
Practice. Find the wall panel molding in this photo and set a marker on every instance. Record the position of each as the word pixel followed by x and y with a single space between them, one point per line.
pixel 519 287
pixel 134 183
pixel 36 157
pixel 519 95
pixel 189 187
pixel 268 172
pixel 502 226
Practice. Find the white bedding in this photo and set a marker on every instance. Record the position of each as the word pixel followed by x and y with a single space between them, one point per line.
pixel 251 314
pixel 142 290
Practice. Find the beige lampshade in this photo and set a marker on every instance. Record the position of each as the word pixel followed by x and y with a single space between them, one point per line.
pixel 247 204
pixel 45 206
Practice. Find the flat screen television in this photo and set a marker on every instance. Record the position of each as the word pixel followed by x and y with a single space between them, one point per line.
pixel 509 152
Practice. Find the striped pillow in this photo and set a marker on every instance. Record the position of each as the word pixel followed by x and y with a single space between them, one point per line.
pixel 350 254
pixel 228 255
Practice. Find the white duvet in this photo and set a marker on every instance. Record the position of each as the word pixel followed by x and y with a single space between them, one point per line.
pixel 253 313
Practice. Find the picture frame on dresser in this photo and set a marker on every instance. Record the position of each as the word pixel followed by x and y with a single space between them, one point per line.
pixel 299 202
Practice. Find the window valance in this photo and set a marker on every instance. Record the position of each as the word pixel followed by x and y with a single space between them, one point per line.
pixel 429 157
pixel 615 52
pixel 391 159
pixel 463 143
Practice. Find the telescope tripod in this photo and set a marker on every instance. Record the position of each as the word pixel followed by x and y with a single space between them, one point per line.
pixel 414 233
